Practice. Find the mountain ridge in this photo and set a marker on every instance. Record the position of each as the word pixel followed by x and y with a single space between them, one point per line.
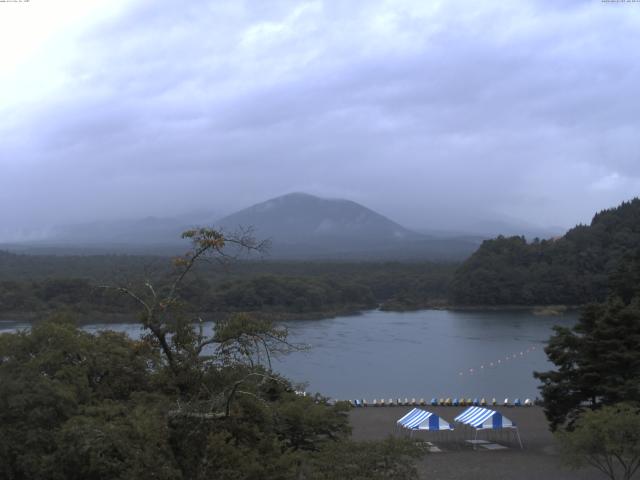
pixel 307 216
pixel 304 226
pixel 300 226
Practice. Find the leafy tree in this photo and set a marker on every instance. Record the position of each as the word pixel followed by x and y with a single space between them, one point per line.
pixel 56 381
pixel 391 458
pixel 245 339
pixel 177 404
pixel 607 439
pixel 597 362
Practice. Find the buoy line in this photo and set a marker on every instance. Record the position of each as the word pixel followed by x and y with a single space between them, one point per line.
pixel 497 363
pixel 441 402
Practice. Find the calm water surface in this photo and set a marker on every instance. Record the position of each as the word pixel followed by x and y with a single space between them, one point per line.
pixel 429 353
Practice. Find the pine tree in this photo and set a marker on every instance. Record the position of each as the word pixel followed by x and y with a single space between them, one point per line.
pixel 598 360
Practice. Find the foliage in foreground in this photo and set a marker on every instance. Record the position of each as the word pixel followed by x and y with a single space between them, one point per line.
pixel 363 461
pixel 607 439
pixel 79 406
pixel 598 359
pixel 177 404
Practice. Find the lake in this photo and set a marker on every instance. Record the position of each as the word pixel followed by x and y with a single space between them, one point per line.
pixel 428 353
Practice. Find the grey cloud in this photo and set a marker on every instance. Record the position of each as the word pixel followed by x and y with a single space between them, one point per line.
pixel 434 119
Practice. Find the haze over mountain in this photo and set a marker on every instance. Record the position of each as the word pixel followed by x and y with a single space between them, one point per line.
pixel 302 218
pixel 138 235
pixel 298 226
pixel 510 226
pixel 145 231
pixel 457 114
pixel 303 225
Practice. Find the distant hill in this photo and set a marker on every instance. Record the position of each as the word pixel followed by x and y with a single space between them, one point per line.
pixel 301 219
pixel 133 232
pixel 573 269
pixel 305 226
pixel 149 235
pixel 299 226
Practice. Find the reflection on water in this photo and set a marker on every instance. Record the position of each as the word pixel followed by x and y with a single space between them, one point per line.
pixel 429 353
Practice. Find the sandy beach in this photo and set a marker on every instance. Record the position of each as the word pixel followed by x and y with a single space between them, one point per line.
pixel 458 459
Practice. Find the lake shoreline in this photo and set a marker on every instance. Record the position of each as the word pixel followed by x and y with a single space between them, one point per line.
pixel 378 354
pixel 535 309
pixel 278 316
pixel 88 318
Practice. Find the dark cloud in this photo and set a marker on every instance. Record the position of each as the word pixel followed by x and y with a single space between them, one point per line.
pixel 436 114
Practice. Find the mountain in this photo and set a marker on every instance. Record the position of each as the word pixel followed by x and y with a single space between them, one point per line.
pixel 300 218
pixel 300 225
pixel 574 269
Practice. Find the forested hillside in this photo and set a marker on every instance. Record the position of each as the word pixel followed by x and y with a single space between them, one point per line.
pixel 36 285
pixel 571 270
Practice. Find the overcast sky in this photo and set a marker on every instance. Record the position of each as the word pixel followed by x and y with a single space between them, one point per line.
pixel 437 114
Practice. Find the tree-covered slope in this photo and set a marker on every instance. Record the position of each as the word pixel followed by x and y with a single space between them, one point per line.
pixel 34 286
pixel 573 269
